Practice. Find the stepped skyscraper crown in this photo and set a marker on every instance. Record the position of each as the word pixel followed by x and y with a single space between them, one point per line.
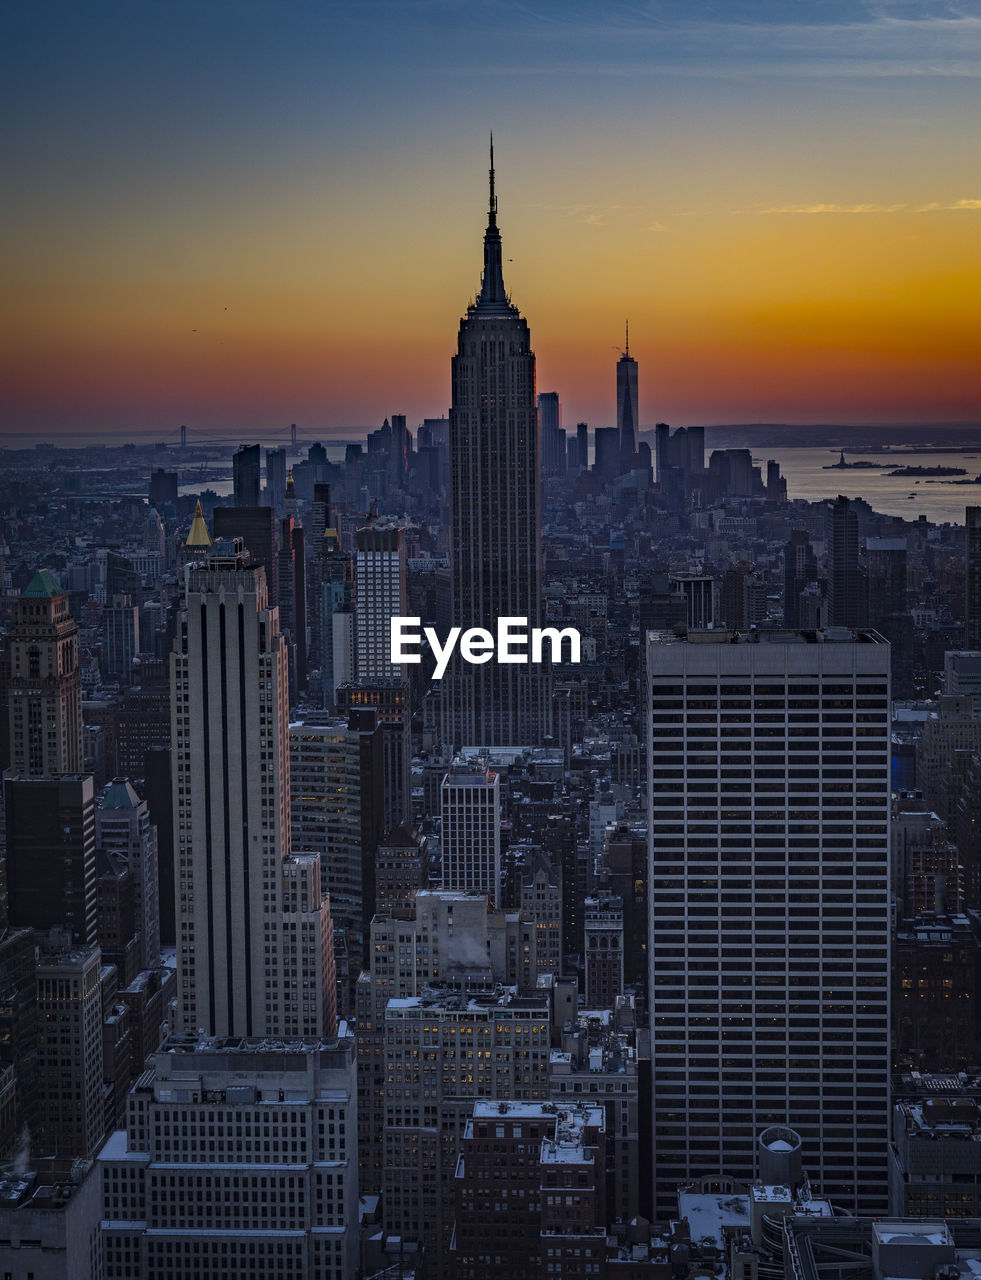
pixel 493 298
pixel 495 491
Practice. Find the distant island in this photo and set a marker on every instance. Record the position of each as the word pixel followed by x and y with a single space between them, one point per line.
pixel 925 471
pixel 842 465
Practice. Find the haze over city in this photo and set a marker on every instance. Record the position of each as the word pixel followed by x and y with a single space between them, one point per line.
pixel 239 216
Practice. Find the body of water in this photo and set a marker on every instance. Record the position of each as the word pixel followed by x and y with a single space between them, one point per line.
pixel 934 497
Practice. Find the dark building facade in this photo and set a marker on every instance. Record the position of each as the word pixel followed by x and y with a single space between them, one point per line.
pixel 799 570
pixel 935 967
pixel 846 601
pixel 888 612
pixel 627 425
pixel 390 700
pixel 51 854
pixel 552 435
pixel 256 526
pixel 495 542
pixel 972 578
pixel 246 464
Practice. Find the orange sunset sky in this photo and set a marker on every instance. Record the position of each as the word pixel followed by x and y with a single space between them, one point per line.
pixel 243 215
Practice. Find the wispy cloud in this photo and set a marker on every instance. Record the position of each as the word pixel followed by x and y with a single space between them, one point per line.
pixel 658 226
pixel 933 206
pixel 834 208
pixel 943 208
pixel 593 215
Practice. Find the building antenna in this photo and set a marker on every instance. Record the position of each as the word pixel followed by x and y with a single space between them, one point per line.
pixel 493 197
pixel 626 327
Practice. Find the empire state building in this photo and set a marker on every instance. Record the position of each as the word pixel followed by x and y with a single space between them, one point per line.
pixel 496 524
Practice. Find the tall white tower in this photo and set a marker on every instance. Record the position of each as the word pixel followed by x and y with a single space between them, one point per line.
pixel 229 725
pixel 768 794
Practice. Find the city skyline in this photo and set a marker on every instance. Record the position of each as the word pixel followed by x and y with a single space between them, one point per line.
pixel 337 939
pixel 220 216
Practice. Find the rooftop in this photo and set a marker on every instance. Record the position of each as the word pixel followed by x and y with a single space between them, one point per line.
pixel 708 1213
pixel 120 795
pixel 42 1185
pixel 190 1042
pixel 769 635
pixel 43 586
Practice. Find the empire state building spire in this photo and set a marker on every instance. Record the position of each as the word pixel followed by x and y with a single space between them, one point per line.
pixel 495 512
pixel 492 299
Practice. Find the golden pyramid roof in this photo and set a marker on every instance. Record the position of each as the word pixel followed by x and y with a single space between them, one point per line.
pixel 198 535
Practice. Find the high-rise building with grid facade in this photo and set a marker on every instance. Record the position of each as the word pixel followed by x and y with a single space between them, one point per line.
pixel 380 595
pixel 239 1158
pixel 768 792
pixel 470 809
pixel 444 1051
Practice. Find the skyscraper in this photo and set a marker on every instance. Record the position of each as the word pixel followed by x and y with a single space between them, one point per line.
pixel 229 717
pixel 470 806
pixel 972 578
pixel 552 435
pixel 163 487
pixel 887 607
pixel 18 1029
pixel 44 687
pixel 337 804
pixel 495 544
pixel 380 594
pixel 121 632
pixel 400 451
pixel 256 526
pixel 799 569
pixel 245 475
pixel 606 452
pixel 292 579
pixel 123 826
pixel 276 479
pixel 71 1116
pixel 582 445
pixel 332 572
pixel 604 950
pixel 768 796
pixel 391 700
pixel 627 405
pixel 846 605
pixel 50 863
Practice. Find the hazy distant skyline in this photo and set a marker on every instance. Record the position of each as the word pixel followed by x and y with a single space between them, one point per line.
pixel 243 215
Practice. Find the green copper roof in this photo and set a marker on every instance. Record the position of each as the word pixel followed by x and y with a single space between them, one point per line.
pixel 43 586
pixel 120 795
